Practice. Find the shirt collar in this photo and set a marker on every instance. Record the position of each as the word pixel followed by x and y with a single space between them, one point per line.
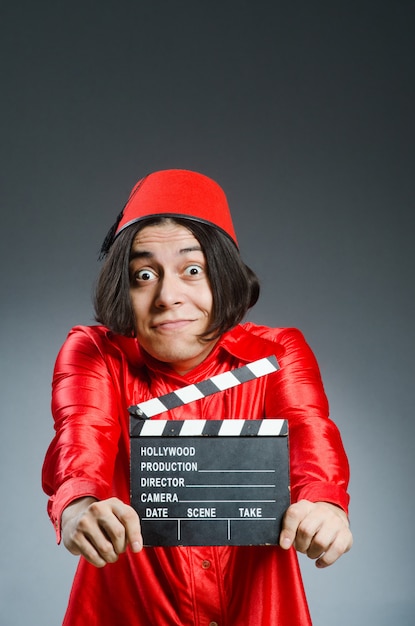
pixel 239 342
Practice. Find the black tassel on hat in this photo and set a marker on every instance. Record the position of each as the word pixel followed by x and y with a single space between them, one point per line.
pixel 109 238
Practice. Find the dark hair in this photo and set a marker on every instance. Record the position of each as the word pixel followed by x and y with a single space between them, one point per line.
pixel 235 287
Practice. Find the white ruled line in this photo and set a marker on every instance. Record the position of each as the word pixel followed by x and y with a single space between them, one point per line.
pixel 241 471
pixel 233 501
pixel 208 519
pixel 219 486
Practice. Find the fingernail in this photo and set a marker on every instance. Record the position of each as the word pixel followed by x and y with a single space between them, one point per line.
pixel 286 542
pixel 136 546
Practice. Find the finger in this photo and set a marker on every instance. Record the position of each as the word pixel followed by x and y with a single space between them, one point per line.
pixel 342 544
pixel 133 529
pixel 131 522
pixel 291 522
pixel 80 542
pixel 113 530
pixel 97 556
pixel 320 543
pixel 95 534
pixel 314 534
pixel 120 526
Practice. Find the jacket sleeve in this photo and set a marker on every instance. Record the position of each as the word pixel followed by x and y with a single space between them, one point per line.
pixel 319 469
pixel 81 457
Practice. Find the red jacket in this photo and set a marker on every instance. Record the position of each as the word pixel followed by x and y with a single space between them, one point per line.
pixel 97 376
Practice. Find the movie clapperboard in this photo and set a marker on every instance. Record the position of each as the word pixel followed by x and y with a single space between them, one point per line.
pixel 209 482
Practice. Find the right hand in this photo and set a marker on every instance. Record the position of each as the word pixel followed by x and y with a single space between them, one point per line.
pixel 100 530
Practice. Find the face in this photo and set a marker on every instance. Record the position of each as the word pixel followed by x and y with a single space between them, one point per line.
pixel 171 295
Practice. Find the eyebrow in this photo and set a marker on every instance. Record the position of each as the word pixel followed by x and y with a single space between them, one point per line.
pixel 146 254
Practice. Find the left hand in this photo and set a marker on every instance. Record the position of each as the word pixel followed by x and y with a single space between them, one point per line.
pixel 319 529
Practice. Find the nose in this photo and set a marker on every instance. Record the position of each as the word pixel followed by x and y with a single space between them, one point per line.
pixel 170 291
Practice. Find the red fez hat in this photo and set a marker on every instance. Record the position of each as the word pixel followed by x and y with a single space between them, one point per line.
pixel 178 193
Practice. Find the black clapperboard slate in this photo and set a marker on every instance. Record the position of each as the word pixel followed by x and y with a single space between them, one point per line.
pixel 209 482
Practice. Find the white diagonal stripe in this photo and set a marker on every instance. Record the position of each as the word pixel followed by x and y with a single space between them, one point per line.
pixel 270 427
pixel 189 393
pixel 225 381
pixel 152 407
pixel 261 367
pixel 231 428
pixel 152 428
pixel 192 427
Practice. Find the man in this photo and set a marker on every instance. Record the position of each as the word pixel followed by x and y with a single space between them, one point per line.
pixel 170 298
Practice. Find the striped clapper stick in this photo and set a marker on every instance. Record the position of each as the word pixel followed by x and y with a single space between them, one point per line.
pixel 208 482
pixel 215 384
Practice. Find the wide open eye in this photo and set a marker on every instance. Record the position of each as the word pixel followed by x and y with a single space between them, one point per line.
pixel 145 274
pixel 193 270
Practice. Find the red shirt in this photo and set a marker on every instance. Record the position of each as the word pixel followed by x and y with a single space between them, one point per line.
pixel 98 374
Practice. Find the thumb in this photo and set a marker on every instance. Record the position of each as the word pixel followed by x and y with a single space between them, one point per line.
pixel 134 537
pixel 131 522
pixel 291 521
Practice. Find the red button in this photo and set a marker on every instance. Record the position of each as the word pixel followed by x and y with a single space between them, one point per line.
pixel 206 565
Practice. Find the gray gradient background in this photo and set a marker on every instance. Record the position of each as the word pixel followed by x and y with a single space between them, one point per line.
pixel 304 112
